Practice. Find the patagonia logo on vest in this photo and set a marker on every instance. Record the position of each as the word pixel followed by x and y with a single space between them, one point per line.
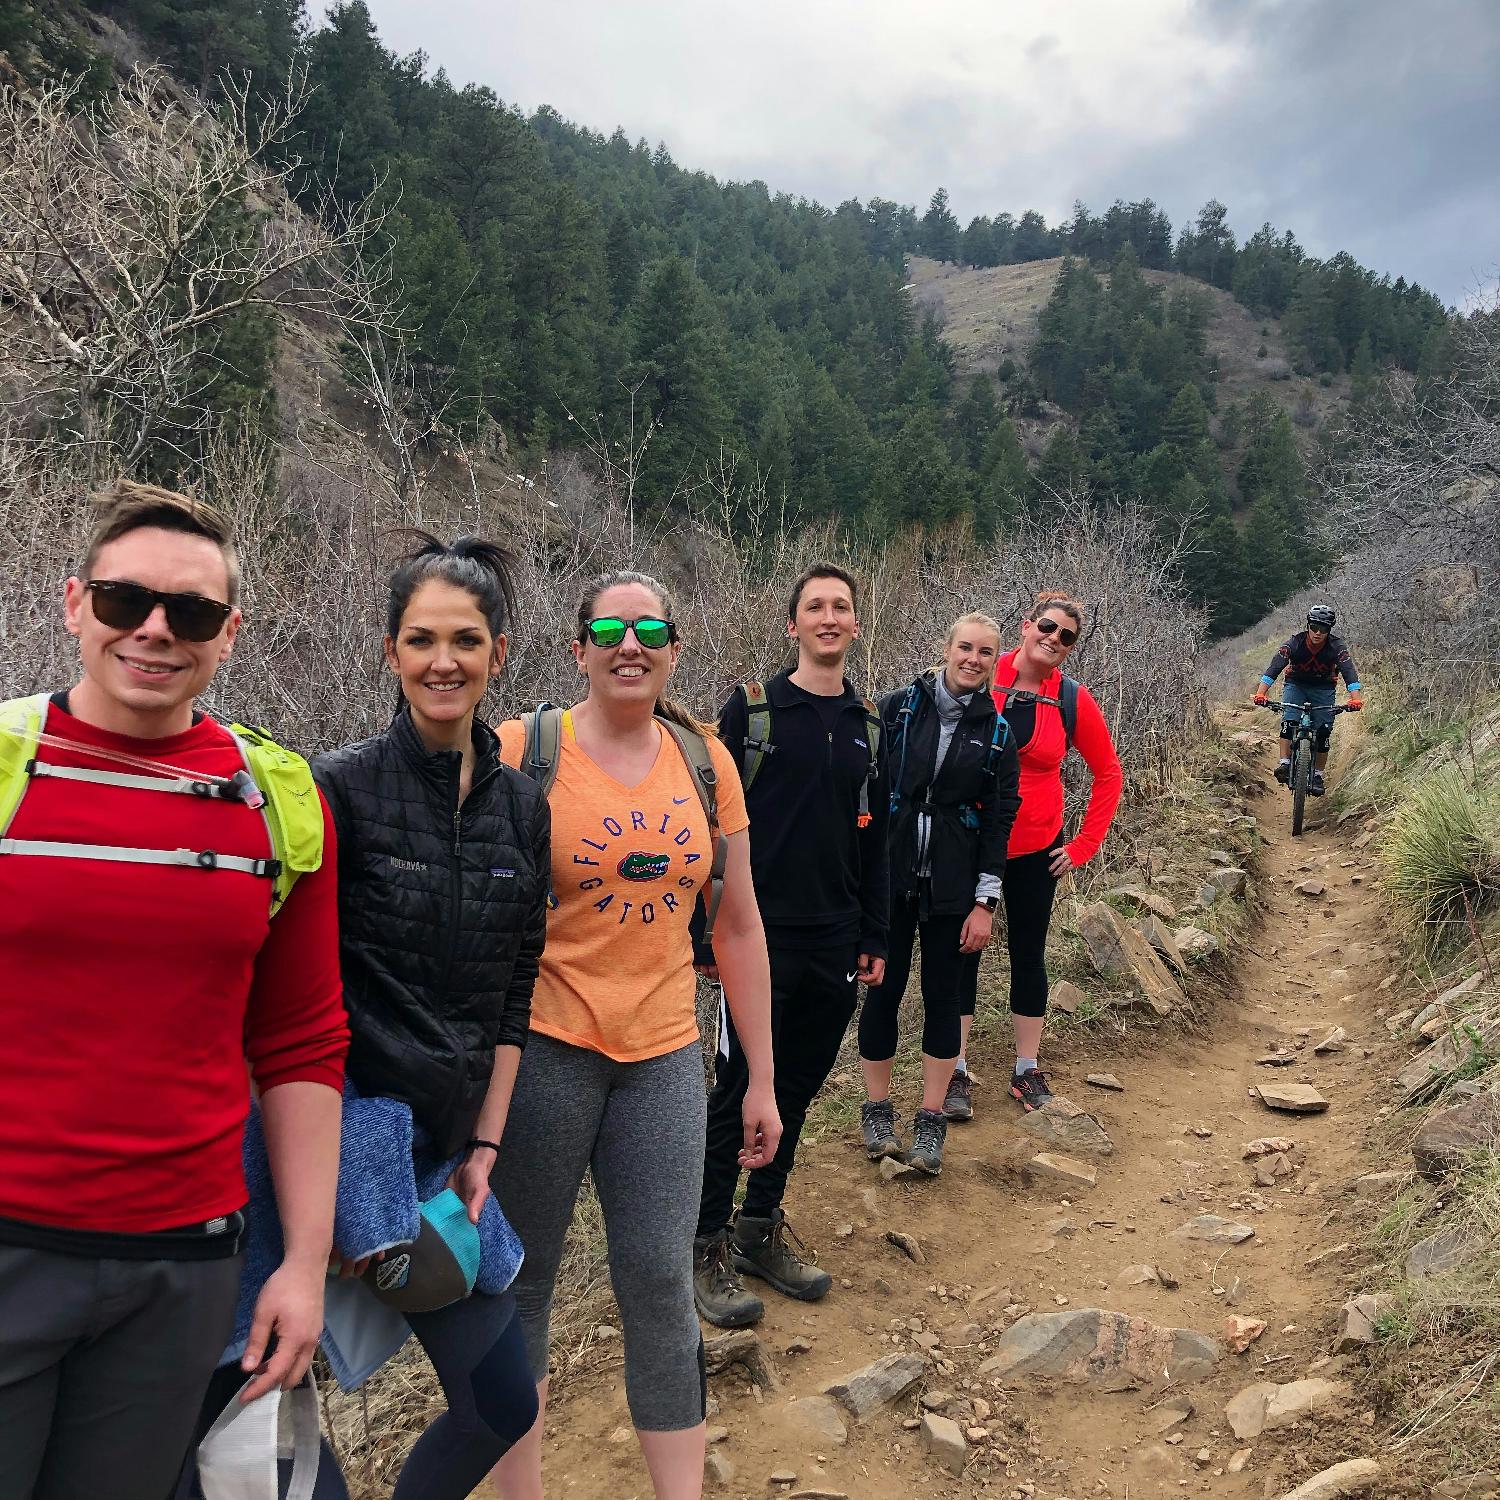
pixel 416 866
pixel 639 866
pixel 499 872
pixel 863 745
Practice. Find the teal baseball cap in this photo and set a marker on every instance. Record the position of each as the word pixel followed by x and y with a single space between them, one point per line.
pixel 438 1267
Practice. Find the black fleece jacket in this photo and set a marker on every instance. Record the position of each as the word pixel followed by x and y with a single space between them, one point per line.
pixel 820 879
pixel 442 917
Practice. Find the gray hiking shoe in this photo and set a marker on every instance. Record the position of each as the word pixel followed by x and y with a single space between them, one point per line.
pixel 877 1122
pixel 958 1103
pixel 717 1291
pixel 760 1248
pixel 929 1129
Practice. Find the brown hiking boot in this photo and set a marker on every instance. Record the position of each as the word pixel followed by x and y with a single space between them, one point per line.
pixel 760 1248
pixel 720 1297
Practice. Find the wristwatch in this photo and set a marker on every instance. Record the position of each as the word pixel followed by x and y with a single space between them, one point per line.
pixel 989 903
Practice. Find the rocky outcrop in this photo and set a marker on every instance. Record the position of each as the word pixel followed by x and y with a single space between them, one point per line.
pixel 1119 952
pixel 1451 1136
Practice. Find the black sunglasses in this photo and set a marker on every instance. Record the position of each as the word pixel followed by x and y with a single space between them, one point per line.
pixel 609 630
pixel 1047 626
pixel 127 606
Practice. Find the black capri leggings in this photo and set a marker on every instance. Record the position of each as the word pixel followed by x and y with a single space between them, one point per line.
pixel 1029 889
pixel 941 982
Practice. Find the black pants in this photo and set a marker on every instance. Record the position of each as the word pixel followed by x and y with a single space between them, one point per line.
pixel 1029 890
pixel 813 994
pixel 102 1364
pixel 941 983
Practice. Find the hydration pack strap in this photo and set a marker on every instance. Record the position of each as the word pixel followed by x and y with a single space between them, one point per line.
pixel 694 750
pixel 202 859
pixel 226 791
pixel 758 744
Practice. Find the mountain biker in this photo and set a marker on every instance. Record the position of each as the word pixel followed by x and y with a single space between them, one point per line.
pixel 954 774
pixel 807 746
pixel 612 1078
pixel 1313 661
pixel 153 945
pixel 1038 703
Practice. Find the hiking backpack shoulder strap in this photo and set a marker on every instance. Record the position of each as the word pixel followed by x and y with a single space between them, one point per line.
pixel 293 812
pixel 1067 701
pixel 21 722
pixel 693 748
pixel 873 731
pixel 543 745
pixel 758 742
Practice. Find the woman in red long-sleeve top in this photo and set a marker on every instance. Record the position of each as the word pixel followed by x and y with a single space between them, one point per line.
pixel 1028 690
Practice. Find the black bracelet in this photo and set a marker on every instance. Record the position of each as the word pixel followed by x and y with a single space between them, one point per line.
pixel 492 1145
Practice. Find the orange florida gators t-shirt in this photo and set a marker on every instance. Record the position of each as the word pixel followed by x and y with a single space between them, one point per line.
pixel 627 864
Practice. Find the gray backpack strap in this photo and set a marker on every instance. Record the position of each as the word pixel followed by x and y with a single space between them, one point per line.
pixel 694 750
pixel 758 744
pixel 872 735
pixel 543 747
pixel 1067 699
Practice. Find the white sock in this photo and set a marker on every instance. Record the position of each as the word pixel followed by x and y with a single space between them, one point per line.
pixel 1024 1065
pixel 962 1065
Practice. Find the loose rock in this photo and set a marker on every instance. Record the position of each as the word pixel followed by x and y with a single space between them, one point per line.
pixel 1481 1486
pixel 1311 888
pixel 1445 1057
pixel 1444 1251
pixel 1356 1476
pixel 1159 935
pixel 1141 1275
pixel 1150 901
pixel 1106 1081
pixel 1267 1144
pixel 819 1418
pixel 1383 1184
pixel 1294 1098
pixel 1105 1350
pixel 718 1470
pixel 1214 1230
pixel 1333 1042
pixel 1231 881
pixel 1448 1138
pixel 1062 1124
pixel 1066 997
pixel 891 1169
pixel 1265 1406
pixel 877 1384
pixel 1194 944
pixel 1064 1169
pixel 1357 1320
pixel 945 1442
pixel 1119 951
pixel 907 1245
pixel 1240 1333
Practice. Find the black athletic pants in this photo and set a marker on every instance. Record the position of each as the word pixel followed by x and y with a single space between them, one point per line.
pixel 1029 889
pixel 813 994
pixel 941 982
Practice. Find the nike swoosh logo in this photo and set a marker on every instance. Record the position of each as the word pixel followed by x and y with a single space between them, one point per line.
pixel 850 978
pixel 678 801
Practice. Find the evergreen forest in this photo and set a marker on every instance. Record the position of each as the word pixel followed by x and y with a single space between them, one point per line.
pixel 580 289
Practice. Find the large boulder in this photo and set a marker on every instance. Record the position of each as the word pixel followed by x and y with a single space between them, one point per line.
pixel 1448 1053
pixel 1448 1138
pixel 1106 1350
pixel 1118 951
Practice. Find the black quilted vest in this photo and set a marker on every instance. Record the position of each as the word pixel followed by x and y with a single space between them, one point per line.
pixel 442 917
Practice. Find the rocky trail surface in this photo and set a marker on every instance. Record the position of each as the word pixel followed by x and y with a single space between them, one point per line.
pixel 1140 1295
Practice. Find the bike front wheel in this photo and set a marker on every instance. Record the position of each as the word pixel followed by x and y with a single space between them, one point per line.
pixel 1301 776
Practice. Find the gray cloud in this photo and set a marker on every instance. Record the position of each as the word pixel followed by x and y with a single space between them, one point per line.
pixel 1358 124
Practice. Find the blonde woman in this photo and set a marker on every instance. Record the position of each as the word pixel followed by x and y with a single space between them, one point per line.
pixel 954 775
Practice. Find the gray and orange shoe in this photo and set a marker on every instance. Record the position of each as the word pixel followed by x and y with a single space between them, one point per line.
pixel 958 1102
pixel 1031 1089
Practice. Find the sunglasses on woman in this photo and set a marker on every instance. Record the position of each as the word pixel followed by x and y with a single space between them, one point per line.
pixel 127 606
pixel 1046 626
pixel 609 630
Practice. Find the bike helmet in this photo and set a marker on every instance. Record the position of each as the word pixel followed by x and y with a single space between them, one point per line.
pixel 1320 617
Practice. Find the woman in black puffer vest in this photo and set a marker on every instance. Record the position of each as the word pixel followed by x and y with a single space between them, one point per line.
pixel 954 774
pixel 444 864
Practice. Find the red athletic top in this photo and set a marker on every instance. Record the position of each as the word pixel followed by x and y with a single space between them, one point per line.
pixel 132 995
pixel 1041 813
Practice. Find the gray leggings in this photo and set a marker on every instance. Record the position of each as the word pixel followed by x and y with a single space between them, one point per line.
pixel 638 1127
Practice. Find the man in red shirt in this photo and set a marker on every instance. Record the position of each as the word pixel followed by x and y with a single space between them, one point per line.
pixel 142 969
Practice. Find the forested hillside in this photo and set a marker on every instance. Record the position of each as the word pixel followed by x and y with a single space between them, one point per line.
pixel 575 289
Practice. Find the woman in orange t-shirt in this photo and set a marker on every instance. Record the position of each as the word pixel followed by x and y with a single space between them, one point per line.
pixel 612 1077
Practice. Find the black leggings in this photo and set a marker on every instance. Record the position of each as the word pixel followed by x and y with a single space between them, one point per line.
pixel 1029 889
pixel 478 1352
pixel 941 983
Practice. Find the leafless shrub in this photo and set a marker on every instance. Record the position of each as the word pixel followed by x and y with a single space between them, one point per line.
pixel 129 237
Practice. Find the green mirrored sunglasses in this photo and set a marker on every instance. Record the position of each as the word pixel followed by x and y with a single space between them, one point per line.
pixel 609 630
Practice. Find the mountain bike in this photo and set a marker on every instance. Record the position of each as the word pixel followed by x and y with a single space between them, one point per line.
pixel 1303 734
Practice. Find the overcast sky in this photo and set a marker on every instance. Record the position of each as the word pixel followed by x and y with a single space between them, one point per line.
pixel 1371 126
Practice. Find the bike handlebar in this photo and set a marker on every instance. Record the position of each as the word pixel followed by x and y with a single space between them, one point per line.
pixel 1332 708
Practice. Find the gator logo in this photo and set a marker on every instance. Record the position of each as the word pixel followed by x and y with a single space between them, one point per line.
pixel 391 1275
pixel 644 866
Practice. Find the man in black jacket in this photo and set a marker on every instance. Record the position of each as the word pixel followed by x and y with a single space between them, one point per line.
pixel 818 797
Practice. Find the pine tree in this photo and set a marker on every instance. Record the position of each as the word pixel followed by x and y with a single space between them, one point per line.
pixel 940 229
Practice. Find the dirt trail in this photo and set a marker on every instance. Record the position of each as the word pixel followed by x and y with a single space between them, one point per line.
pixel 1178 1131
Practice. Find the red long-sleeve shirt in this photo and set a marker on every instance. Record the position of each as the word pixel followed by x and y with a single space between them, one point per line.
pixel 1041 813
pixel 131 996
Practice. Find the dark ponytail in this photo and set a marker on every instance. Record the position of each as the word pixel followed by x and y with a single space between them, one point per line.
pixel 481 569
